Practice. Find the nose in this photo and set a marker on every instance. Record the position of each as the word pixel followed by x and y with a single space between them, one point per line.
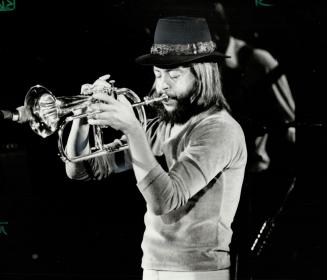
pixel 163 83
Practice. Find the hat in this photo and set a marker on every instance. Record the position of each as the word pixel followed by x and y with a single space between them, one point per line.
pixel 180 40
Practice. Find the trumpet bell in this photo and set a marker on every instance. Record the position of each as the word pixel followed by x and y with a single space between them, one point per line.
pixel 41 109
pixel 45 111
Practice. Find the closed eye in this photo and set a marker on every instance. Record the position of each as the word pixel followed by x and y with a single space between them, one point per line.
pixel 174 74
pixel 157 75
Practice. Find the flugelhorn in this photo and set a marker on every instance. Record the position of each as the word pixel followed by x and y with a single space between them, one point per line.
pixel 48 114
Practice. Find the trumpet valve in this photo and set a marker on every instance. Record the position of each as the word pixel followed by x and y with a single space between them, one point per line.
pixel 113 89
pixel 87 89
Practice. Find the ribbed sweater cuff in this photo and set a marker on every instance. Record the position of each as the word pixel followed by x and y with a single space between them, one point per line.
pixel 153 174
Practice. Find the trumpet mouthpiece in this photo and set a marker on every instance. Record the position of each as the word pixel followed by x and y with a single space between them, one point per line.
pixel 164 97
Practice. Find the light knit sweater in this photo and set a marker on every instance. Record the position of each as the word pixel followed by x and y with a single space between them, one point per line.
pixel 195 196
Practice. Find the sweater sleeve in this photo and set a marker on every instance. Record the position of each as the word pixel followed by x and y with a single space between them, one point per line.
pixel 210 148
pixel 99 168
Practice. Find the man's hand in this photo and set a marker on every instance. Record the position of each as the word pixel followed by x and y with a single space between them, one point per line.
pixel 117 113
pixel 101 85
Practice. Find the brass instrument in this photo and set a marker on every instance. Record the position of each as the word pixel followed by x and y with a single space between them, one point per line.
pixel 48 114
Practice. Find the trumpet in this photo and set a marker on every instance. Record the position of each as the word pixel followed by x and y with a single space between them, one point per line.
pixel 48 114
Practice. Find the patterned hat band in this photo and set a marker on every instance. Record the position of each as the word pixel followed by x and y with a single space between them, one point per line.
pixel 183 49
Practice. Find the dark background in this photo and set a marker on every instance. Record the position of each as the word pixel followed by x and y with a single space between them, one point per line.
pixel 62 229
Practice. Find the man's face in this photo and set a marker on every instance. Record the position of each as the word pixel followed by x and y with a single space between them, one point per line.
pixel 178 83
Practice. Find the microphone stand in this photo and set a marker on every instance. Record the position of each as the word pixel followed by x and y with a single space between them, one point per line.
pixel 268 226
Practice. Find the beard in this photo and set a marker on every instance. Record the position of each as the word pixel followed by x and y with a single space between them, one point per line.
pixel 185 109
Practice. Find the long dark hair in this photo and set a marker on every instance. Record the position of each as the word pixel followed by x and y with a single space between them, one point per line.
pixel 208 91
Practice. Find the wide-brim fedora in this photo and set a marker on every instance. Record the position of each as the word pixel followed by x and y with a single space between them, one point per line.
pixel 181 40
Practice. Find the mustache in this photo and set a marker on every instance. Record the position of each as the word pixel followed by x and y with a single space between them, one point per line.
pixel 170 94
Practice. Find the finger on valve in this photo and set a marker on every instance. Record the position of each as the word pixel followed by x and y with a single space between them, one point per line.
pixel 102 87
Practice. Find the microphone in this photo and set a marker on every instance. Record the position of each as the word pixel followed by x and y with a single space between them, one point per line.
pixel 19 115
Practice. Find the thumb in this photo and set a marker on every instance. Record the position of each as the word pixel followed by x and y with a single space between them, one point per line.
pixel 104 77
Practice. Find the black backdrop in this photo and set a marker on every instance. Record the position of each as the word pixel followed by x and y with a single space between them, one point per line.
pixel 60 229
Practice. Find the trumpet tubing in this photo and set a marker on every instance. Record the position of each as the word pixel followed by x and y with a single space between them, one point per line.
pixel 48 114
pixel 149 101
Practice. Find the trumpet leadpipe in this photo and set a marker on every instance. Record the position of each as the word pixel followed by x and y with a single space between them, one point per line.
pixel 149 100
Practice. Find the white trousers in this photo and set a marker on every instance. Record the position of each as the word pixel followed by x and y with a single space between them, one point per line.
pixel 186 275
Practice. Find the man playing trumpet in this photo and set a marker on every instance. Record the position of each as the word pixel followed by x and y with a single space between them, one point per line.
pixel 189 163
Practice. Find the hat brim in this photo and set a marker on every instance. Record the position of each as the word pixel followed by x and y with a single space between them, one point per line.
pixel 174 60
